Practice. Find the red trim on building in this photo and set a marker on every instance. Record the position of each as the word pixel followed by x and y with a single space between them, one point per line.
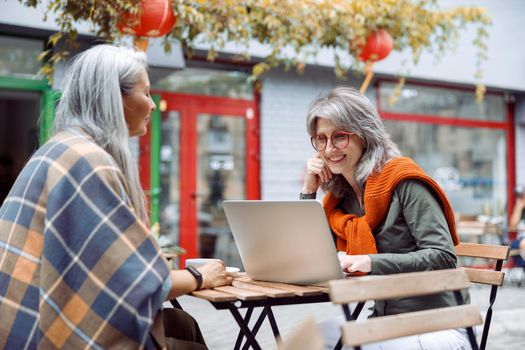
pixel 205 104
pixel 188 179
pixel 253 184
pixel 430 119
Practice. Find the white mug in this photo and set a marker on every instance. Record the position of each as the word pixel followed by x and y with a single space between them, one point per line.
pixel 199 261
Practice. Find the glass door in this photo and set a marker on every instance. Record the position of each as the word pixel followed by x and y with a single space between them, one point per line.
pixel 221 174
pixel 209 151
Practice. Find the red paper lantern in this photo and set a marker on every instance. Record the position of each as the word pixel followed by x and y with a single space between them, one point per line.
pixel 378 45
pixel 156 19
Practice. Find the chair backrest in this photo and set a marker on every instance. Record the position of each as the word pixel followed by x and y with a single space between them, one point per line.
pixel 492 276
pixel 361 289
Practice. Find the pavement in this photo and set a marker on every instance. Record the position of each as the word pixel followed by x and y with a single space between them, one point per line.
pixel 507 331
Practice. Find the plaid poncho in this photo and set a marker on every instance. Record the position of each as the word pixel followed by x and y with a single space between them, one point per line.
pixel 77 268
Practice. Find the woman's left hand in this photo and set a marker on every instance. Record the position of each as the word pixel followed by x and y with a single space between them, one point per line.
pixel 354 263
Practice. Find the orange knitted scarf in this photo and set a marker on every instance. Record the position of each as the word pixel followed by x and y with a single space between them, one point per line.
pixel 354 234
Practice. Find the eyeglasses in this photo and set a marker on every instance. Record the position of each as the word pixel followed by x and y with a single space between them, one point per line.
pixel 339 139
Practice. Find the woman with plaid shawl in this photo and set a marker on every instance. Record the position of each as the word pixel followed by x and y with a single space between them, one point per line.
pixel 78 265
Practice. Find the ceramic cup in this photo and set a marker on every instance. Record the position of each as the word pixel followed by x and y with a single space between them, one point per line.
pixel 199 261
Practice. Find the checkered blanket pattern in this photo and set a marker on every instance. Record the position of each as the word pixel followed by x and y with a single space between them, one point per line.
pixel 78 270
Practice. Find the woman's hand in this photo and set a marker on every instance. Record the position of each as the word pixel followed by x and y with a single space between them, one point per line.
pixel 214 274
pixel 354 263
pixel 317 172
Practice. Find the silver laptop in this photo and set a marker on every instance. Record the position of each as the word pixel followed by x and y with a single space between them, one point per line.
pixel 283 241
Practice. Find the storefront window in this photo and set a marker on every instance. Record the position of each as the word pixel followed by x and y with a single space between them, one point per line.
pixel 441 102
pixel 203 81
pixel 221 175
pixel 19 56
pixel 469 163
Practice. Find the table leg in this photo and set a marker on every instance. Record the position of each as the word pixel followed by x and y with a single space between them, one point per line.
pixel 266 311
pixel 357 310
pixel 271 318
pixel 256 326
pixel 250 338
pixel 247 316
pixel 349 316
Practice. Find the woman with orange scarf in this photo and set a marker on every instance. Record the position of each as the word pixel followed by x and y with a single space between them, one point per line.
pixel 385 212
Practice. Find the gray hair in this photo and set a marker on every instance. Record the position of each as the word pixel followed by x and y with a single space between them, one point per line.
pixel 352 111
pixel 92 91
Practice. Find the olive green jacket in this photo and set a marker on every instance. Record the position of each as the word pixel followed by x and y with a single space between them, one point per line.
pixel 414 236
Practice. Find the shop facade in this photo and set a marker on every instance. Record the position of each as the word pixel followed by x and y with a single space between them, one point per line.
pixel 215 137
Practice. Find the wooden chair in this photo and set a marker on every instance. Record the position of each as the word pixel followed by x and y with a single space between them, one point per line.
pixel 361 289
pixel 491 276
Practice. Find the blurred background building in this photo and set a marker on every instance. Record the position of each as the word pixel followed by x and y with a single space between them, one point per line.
pixel 215 136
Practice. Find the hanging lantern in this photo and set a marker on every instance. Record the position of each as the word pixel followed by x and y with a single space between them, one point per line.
pixel 157 19
pixel 378 45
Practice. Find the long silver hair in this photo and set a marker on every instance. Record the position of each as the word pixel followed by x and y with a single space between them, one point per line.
pixel 350 110
pixel 92 91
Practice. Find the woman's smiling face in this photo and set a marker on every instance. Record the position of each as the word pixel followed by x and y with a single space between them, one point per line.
pixel 340 161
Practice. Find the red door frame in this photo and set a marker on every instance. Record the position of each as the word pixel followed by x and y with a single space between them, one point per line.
pixel 189 106
pixel 507 126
